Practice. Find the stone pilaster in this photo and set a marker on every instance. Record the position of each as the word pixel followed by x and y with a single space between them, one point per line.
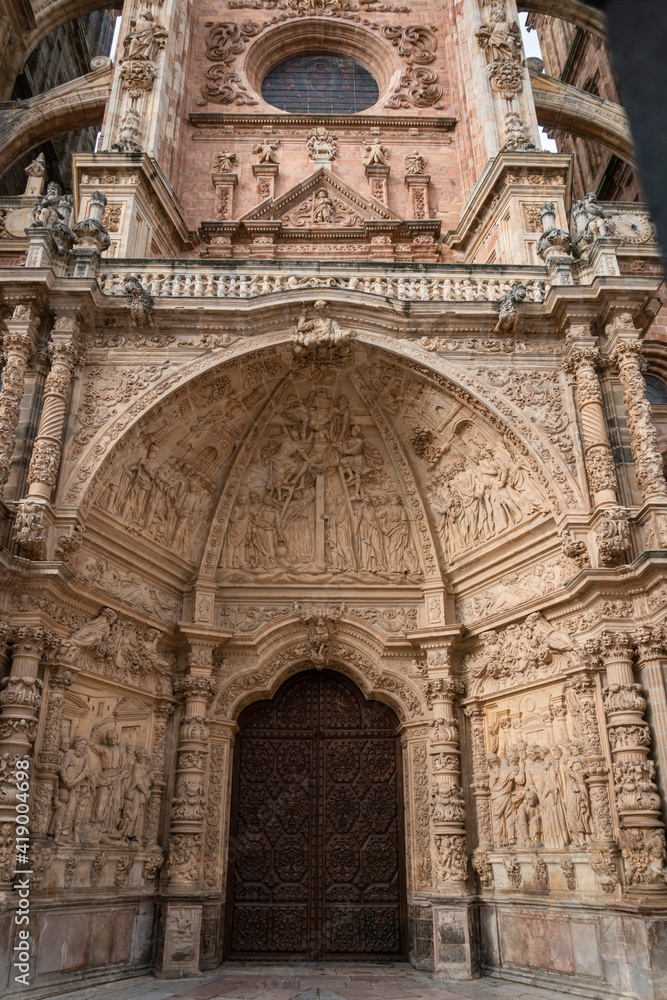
pixel 627 356
pixel 447 808
pixel 582 363
pixel 48 758
pixel 651 644
pixel 224 184
pixel 45 461
pixel 641 835
pixel 20 698
pixel 480 777
pixel 188 810
pixel 17 345
pixel 163 709
pixel 581 699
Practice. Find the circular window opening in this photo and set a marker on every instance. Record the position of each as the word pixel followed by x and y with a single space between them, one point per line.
pixel 321 85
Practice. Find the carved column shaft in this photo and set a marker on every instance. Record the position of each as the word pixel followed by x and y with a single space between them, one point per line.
pixel 480 777
pixel 582 363
pixel 652 650
pixel 188 810
pixel 163 710
pixel 18 346
pixel 447 807
pixel 637 800
pixel 48 758
pixel 45 460
pixel 627 355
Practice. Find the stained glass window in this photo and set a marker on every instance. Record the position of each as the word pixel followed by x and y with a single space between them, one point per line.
pixel 325 85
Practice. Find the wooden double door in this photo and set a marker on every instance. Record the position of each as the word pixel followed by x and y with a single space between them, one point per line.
pixel 316 852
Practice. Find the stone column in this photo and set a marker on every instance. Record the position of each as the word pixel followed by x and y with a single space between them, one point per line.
pixel 20 698
pixel 627 356
pixel 641 836
pixel 185 871
pixel 48 758
pixel 447 809
pixel 581 362
pixel 161 713
pixel 651 643
pixel 17 345
pixel 45 461
pixel 481 794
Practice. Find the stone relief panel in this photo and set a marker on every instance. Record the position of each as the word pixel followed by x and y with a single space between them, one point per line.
pixel 521 652
pixel 537 772
pixel 320 496
pixel 517 587
pixel 162 486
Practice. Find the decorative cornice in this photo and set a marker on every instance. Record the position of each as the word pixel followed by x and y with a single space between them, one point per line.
pixel 206 119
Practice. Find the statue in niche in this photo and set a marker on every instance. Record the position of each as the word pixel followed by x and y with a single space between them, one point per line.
pixel 111 780
pixel 137 793
pixel 145 38
pixel 375 153
pixel 324 211
pixel 318 455
pixel 501 38
pixel 74 796
pixel 415 163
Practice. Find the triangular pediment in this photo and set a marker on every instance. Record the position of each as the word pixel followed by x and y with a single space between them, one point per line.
pixel 321 201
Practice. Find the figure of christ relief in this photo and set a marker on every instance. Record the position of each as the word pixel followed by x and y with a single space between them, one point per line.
pixel 319 498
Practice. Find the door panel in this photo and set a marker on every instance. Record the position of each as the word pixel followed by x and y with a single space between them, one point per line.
pixel 316 845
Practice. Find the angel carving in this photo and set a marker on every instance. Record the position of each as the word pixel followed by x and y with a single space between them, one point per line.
pixel 266 151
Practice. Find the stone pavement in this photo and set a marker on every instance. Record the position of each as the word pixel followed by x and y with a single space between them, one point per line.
pixel 332 981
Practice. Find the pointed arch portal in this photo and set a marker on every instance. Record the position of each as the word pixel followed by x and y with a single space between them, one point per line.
pixel 316 861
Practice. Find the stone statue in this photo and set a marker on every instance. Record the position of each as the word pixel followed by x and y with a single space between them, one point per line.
pixel 266 151
pixel 137 793
pixel 591 218
pixel 110 782
pixel 145 38
pixel 74 796
pixel 141 303
pixel 324 211
pixel 375 153
pixel 225 162
pixel 500 38
pixel 508 314
pixel 52 209
pixel 92 635
pixel 415 163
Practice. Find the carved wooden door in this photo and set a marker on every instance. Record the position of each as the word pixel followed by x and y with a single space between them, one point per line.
pixel 316 855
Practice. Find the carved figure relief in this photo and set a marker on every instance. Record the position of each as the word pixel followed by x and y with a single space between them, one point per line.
pixel 320 497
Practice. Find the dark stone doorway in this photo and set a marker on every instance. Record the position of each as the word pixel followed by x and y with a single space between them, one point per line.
pixel 316 853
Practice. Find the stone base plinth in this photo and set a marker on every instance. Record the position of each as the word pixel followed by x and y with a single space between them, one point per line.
pixel 178 941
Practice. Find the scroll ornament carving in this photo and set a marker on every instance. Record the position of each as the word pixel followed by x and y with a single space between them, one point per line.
pixel 30 527
pixel 613 536
pixel 484 869
pixel 226 40
pixel 574 548
pixel 539 395
pixel 419 86
pixel 520 652
pixel 604 868
pixel 322 210
pixel 500 38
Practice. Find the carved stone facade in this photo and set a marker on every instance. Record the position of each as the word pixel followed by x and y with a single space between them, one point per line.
pixel 351 405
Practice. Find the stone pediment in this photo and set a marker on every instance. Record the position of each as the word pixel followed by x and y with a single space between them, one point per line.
pixel 321 202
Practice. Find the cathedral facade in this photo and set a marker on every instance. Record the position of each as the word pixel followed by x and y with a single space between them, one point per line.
pixel 333 510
